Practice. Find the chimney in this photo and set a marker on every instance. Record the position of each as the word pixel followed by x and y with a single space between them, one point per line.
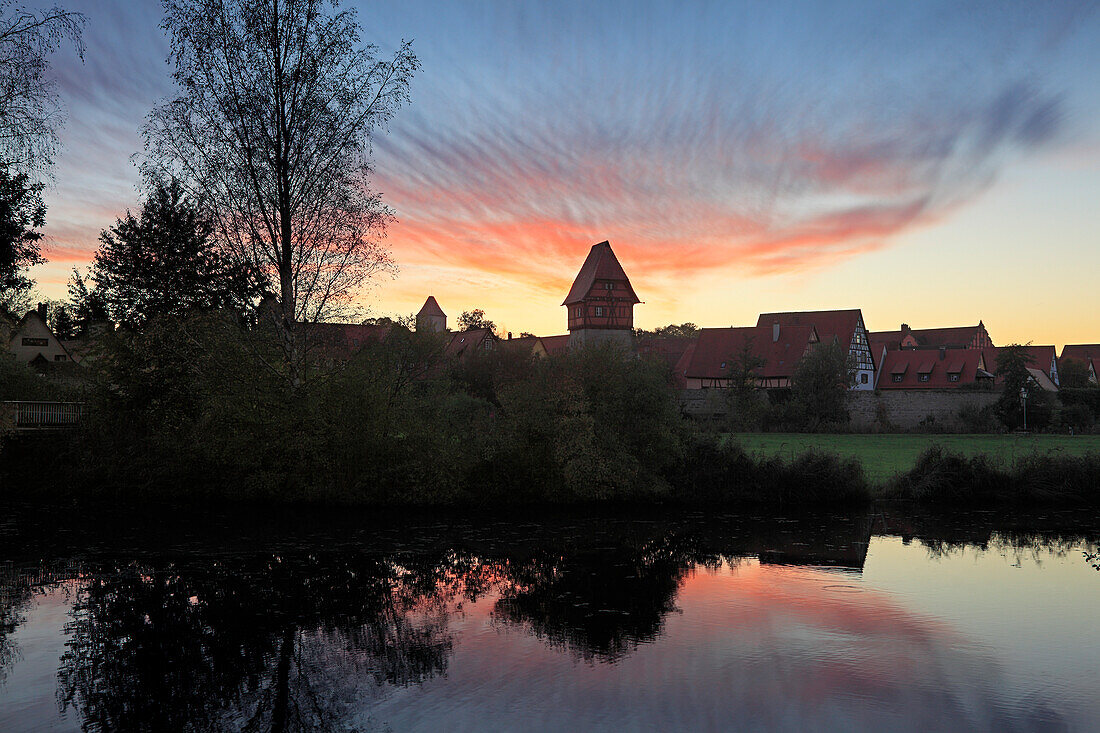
pixel 943 352
pixel 905 327
pixel 509 335
pixel 42 311
pixel 775 332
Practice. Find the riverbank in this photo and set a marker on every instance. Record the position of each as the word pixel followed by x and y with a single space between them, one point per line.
pixel 885 456
pixel 711 471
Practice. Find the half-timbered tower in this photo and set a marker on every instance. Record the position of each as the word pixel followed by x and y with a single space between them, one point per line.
pixel 600 304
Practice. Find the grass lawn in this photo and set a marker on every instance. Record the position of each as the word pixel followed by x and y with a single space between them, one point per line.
pixel 883 456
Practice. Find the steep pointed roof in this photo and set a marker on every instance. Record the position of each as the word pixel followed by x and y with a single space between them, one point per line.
pixel 431 308
pixel 601 264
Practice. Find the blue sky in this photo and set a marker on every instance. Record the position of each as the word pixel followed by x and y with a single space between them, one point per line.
pixel 933 163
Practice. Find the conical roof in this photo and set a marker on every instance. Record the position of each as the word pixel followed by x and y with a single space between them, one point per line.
pixel 601 264
pixel 431 308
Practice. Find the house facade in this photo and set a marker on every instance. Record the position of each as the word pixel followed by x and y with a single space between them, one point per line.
pixel 844 327
pixel 1087 354
pixel 33 342
pixel 719 354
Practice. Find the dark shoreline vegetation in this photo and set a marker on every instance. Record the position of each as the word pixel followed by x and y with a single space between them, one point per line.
pixel 191 411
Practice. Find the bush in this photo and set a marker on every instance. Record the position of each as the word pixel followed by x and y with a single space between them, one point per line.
pixel 722 473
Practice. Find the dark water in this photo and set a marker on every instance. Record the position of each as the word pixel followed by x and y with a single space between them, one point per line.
pixel 880 621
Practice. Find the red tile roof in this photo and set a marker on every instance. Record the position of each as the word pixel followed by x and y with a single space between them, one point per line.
pixel 1081 352
pixel 828 324
pixel 1039 357
pixel 555 344
pixel 716 349
pixel 909 366
pixel 601 264
pixel 956 337
pixel 465 342
pixel 431 308
pixel 341 340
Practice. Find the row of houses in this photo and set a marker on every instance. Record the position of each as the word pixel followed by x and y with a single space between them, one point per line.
pixel 600 308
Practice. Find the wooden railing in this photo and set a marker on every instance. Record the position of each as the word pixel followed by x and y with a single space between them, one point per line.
pixel 27 416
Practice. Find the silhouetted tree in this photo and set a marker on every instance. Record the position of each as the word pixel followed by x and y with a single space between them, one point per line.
pixel 1012 367
pixel 745 401
pixel 475 319
pixel 820 385
pixel 1073 373
pixel 684 330
pixel 30 111
pixel 22 214
pixel 271 131
pixel 86 303
pixel 164 262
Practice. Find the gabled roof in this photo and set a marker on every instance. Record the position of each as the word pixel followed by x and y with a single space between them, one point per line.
pixel 909 365
pixel 828 324
pixel 341 340
pixel 717 348
pixel 555 344
pixel 1039 357
pixel 1081 352
pixel 601 264
pixel 34 315
pixel 668 349
pixel 955 337
pixel 466 342
pixel 431 308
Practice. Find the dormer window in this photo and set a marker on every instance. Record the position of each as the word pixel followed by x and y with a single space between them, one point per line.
pixel 923 377
pixel 608 286
pixel 896 377
pixel 953 377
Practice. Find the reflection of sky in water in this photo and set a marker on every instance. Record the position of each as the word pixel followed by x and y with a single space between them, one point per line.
pixel 965 639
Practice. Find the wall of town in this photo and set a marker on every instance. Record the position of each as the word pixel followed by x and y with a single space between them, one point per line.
pixel 912 409
pixel 884 411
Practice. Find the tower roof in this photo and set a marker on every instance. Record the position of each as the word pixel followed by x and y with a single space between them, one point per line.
pixel 431 308
pixel 601 264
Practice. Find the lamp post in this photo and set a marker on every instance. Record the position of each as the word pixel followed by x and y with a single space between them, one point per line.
pixel 1023 399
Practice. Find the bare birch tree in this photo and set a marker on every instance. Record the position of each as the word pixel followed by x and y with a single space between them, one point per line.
pixel 271 131
pixel 30 111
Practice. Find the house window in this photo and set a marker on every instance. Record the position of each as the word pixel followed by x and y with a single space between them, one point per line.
pixel 896 377
pixel 923 377
pixel 608 286
pixel 952 377
pixel 599 310
pixel 59 357
pixel 863 378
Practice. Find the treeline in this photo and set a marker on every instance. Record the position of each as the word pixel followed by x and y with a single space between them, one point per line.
pixel 199 408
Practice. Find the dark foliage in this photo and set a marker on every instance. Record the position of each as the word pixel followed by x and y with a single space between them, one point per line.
pixel 952 479
pixel 22 214
pixel 165 263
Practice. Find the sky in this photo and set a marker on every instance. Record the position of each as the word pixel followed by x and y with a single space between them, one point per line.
pixel 931 163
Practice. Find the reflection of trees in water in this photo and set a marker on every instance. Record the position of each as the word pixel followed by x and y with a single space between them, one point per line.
pixel 288 640
pixel 274 644
pixel 1056 534
pixel 601 606
pixel 18 591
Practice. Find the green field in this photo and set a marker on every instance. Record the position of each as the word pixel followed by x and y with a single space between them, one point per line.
pixel 883 456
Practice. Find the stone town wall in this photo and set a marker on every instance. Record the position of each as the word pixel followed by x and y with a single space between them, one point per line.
pixel 912 409
pixel 885 411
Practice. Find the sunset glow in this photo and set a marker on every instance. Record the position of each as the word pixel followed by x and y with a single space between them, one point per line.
pixel 926 164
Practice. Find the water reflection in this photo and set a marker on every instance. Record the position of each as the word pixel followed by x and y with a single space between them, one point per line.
pixel 693 619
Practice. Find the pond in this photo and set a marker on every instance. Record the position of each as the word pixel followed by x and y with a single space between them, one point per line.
pixel 881 620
